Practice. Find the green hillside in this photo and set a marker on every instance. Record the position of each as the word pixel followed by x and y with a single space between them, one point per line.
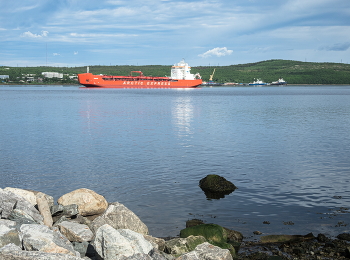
pixel 294 72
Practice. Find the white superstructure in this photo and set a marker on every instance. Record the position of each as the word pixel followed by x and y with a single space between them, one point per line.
pixel 181 70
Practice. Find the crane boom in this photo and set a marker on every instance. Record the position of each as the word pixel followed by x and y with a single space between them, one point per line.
pixel 211 76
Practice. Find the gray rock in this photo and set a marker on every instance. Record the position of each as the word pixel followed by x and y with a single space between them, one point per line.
pixel 9 236
pixel 44 208
pixel 112 244
pixel 13 252
pixel 70 210
pixel 10 201
pixel 56 209
pixel 157 243
pixel 119 217
pixel 158 255
pixel 136 257
pixel 7 223
pixel 60 220
pixel 76 232
pixel 18 214
pixel 84 248
pixel 207 251
pixel 30 195
pixel 41 238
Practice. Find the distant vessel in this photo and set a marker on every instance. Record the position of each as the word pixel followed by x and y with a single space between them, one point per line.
pixel 180 78
pixel 257 82
pixel 280 81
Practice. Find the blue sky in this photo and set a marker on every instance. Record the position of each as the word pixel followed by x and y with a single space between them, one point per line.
pixel 162 32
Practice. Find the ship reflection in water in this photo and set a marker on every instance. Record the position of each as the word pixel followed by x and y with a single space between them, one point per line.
pixel 182 116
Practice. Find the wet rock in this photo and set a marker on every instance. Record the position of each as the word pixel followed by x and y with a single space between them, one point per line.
pixel 88 201
pixel 216 187
pixel 322 238
pixel 233 236
pixel 285 238
pixel 344 236
pixel 194 222
pixel 120 217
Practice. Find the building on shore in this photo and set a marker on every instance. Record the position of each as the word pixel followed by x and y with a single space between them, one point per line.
pixel 52 75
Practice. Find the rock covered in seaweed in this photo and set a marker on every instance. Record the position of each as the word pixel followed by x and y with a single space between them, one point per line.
pixel 216 187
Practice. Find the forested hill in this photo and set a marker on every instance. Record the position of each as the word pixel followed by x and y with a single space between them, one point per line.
pixel 294 72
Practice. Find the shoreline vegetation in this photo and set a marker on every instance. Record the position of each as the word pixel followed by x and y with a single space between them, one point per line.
pixel 83 225
pixel 294 72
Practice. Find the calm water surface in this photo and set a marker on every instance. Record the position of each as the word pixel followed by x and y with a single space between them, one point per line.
pixel 287 149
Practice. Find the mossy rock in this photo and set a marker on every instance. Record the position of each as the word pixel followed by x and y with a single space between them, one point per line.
pixel 211 232
pixel 179 246
pixel 216 184
pixel 214 234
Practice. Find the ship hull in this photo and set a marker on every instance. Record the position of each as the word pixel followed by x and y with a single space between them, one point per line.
pixel 102 81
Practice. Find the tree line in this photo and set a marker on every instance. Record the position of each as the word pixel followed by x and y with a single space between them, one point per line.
pixel 294 72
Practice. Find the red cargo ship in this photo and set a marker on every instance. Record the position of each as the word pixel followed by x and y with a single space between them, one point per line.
pixel 180 78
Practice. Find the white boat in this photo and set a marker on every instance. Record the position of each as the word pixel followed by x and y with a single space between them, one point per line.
pixel 257 82
pixel 280 81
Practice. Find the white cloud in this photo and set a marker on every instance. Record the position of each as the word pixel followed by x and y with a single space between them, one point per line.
pixel 56 54
pixel 33 35
pixel 216 52
pixel 75 53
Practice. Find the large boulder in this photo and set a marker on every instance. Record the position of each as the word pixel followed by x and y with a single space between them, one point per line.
pixel 89 202
pixel 41 238
pixel 207 251
pixel 112 244
pixel 216 187
pixel 30 195
pixel 13 252
pixel 10 202
pixel 76 232
pixel 119 217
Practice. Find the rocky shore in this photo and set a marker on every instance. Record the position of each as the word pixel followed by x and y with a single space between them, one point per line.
pixel 83 225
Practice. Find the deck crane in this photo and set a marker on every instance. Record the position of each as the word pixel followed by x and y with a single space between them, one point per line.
pixel 211 76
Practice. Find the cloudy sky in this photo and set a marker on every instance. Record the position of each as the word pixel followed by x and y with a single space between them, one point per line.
pixel 162 32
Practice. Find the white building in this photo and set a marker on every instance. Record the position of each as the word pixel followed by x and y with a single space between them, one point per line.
pixel 52 75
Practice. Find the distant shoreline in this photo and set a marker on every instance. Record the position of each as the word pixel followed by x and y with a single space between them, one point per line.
pixel 68 84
